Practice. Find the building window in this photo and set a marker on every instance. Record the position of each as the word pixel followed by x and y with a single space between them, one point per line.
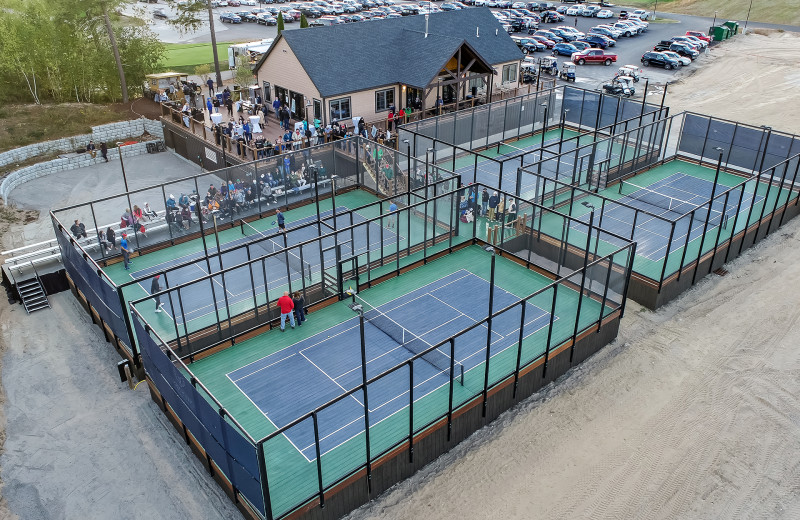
pixel 510 73
pixel 340 109
pixel 318 109
pixel 384 99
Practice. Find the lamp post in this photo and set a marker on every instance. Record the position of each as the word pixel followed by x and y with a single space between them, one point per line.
pixel 655 8
pixel 748 15
pixel 491 250
pixel 122 164
pixel 715 19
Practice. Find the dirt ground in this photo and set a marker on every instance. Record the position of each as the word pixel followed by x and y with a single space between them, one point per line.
pixel 691 413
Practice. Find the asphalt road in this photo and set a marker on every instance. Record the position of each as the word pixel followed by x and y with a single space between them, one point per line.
pixel 629 50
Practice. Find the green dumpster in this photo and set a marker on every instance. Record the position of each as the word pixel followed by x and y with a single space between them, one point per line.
pixel 719 33
pixel 732 26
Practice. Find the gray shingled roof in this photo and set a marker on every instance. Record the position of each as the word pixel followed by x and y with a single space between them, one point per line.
pixel 360 56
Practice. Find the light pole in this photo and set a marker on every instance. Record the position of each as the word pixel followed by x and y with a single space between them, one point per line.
pixel 491 250
pixel 655 8
pixel 124 177
pixel 715 19
pixel 748 15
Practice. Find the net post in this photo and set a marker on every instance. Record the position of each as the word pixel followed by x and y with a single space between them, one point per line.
pixel 450 390
pixel 519 348
pixel 319 461
pixel 411 410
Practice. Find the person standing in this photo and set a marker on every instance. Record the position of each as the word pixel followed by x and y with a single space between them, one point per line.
pixel 104 151
pixel 210 84
pixel 155 288
pixel 512 211
pixel 78 229
pixel 494 200
pixel 126 251
pixel 501 209
pixel 281 222
pixel 299 307
pixel 286 305
pixel 209 106
pixel 392 210
pixel 484 201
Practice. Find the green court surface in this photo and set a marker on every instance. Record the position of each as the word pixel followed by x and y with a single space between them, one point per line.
pixel 292 478
pixel 653 267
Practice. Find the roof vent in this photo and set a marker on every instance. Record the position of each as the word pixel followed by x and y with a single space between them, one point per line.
pixel 426 25
pixel 477 32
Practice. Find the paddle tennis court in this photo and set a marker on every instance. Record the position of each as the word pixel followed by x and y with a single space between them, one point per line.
pixel 279 271
pixel 311 372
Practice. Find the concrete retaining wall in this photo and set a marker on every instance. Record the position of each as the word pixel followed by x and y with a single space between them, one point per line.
pixel 107 133
pixel 103 133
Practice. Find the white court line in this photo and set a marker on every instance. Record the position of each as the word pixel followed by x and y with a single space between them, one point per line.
pixel 329 377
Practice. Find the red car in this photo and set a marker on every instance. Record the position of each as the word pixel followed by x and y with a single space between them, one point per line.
pixel 700 35
pixel 593 56
pixel 541 39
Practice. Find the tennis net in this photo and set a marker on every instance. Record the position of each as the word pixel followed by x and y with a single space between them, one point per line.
pixel 268 245
pixel 673 205
pixel 408 339
pixel 507 152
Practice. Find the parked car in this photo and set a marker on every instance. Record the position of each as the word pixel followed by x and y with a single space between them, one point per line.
pixel 545 41
pixel 683 60
pixel 229 18
pixel 564 49
pixel 549 35
pixel 608 30
pixel 598 40
pixel 581 46
pixel 567 36
pixel 160 13
pixel 626 29
pixel 642 14
pixel 620 86
pixel 572 30
pixel 657 59
pixel 593 56
pixel 590 10
pixel 697 42
pixel 684 49
pixel 605 13
pixel 267 19
pixel 551 17
pixel 574 10
pixel 699 34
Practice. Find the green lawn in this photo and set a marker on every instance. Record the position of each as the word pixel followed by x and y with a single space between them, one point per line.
pixel 780 12
pixel 184 57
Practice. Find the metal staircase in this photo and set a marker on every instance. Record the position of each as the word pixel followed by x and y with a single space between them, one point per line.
pixel 32 293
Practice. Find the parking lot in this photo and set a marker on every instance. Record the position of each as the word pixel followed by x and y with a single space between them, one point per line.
pixel 629 50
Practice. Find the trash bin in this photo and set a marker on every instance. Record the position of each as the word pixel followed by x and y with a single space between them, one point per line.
pixel 733 26
pixel 720 32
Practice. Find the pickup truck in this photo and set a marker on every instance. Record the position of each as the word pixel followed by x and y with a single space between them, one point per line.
pixel 593 56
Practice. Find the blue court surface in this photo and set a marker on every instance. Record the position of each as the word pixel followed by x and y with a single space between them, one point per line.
pixel 670 198
pixel 562 169
pixel 296 380
pixel 197 299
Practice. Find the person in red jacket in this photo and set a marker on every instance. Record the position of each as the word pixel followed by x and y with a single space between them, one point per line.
pixel 286 305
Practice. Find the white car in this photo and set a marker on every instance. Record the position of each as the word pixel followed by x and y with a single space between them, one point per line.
pixel 615 33
pixel 604 13
pixel 519 5
pixel 571 30
pixel 251 3
pixel 575 10
pixel 683 60
pixel 641 14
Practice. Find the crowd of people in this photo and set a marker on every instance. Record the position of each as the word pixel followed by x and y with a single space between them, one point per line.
pixel 492 206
